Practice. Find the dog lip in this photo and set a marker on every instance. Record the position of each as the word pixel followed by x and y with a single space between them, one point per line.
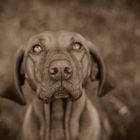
pixel 57 96
pixel 61 93
pixel 75 98
pixel 45 100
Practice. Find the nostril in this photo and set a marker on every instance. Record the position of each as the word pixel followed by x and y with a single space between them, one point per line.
pixel 53 71
pixel 67 70
pixel 60 70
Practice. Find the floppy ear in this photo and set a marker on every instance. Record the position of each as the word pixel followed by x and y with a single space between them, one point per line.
pixel 19 75
pixel 98 71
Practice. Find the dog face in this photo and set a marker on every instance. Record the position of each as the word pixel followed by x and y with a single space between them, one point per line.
pixel 58 65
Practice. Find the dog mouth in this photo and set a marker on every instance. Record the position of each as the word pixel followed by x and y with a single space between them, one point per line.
pixel 60 92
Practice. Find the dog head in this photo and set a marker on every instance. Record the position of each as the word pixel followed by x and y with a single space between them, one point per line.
pixel 58 65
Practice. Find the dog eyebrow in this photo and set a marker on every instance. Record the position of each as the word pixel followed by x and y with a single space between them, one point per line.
pixel 41 40
pixel 77 38
pixel 44 41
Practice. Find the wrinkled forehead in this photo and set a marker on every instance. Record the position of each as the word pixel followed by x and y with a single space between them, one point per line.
pixel 57 39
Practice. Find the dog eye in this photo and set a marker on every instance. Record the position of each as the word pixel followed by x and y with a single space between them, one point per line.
pixel 77 46
pixel 37 49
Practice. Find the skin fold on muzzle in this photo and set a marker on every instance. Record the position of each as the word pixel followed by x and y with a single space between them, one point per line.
pixel 58 65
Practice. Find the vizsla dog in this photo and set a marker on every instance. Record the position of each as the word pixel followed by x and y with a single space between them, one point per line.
pixel 61 69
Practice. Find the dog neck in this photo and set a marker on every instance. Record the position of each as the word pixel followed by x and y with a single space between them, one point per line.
pixel 61 120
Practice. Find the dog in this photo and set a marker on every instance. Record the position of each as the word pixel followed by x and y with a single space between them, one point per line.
pixel 61 70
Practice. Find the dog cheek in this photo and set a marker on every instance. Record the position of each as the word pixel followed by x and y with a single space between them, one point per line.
pixel 30 71
pixel 85 67
pixel 37 74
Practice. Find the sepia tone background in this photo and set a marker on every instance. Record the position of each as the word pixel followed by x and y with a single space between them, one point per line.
pixel 112 25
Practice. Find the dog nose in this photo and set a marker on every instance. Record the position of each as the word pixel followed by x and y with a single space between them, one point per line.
pixel 60 70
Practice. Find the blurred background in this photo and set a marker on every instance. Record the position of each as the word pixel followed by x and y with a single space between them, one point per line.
pixel 112 25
